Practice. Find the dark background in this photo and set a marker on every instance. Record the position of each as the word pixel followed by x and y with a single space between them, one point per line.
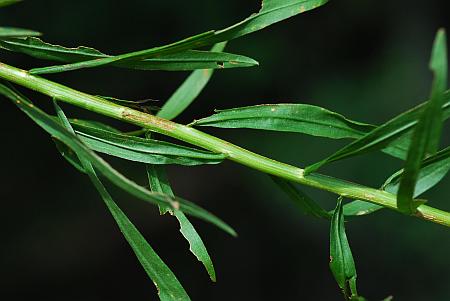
pixel 365 59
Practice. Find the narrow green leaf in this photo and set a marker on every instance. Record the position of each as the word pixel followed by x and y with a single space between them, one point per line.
pixel 143 150
pixel 53 127
pixel 387 136
pixel 143 105
pixel 185 60
pixel 299 118
pixel 169 288
pixel 433 170
pixel 427 133
pixel 8 2
pixel 303 201
pixel 342 264
pixel 83 123
pixel 189 90
pixel 12 32
pixel 272 11
pixel 68 154
pixel 321 122
pixel 159 183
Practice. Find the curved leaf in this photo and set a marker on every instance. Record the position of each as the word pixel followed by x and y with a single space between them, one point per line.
pixel 272 11
pixel 299 118
pixel 342 264
pixel 433 170
pixel 159 183
pixel 306 204
pixel 185 60
pixel 169 288
pixel 188 91
pixel 427 133
pixel 143 150
pixel 12 32
pixel 50 125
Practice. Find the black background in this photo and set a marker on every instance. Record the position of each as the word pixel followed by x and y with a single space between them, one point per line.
pixel 365 59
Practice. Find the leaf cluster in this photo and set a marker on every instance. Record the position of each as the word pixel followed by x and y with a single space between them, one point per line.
pixel 413 136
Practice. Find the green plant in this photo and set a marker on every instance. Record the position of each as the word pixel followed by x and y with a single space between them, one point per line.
pixel 413 136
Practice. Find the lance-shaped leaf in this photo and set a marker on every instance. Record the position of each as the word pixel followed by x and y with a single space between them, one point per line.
pixel 189 90
pixel 185 60
pixel 272 11
pixel 12 32
pixel 8 2
pixel 432 171
pixel 50 125
pixel 168 286
pixel 317 121
pixel 387 136
pixel 143 150
pixel 427 133
pixel 303 201
pixel 159 183
pixel 342 264
pixel 299 118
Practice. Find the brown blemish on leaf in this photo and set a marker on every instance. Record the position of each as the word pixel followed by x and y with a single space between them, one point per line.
pixel 147 120
pixel 302 9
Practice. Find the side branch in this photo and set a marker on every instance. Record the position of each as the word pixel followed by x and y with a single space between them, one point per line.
pixel 211 143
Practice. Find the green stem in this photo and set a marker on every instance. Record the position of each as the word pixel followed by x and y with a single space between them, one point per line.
pixel 200 139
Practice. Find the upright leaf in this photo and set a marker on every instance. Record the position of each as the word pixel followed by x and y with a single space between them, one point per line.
pixel 272 11
pixel 432 171
pixel 189 90
pixel 169 288
pixel 342 264
pixel 303 201
pixel 427 133
pixel 159 183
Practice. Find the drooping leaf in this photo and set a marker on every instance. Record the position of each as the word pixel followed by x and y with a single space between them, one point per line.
pixel 185 60
pixel 272 11
pixel 169 288
pixel 143 150
pixel 303 201
pixel 299 118
pixel 83 123
pixel 68 154
pixel 427 132
pixel 433 170
pixel 189 90
pixel 159 183
pixel 342 264
pixel 53 127
pixel 12 32
pixel 8 2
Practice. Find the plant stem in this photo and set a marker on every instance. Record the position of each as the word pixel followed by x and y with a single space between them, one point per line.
pixel 211 143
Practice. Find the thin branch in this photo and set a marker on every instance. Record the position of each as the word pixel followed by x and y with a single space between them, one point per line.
pixel 211 143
